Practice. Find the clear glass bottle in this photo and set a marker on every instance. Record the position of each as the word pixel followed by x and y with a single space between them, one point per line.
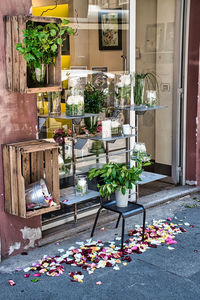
pixel 54 103
pixel 123 90
pixel 74 98
pixel 151 98
pixel 116 128
pixel 40 103
pixel 81 185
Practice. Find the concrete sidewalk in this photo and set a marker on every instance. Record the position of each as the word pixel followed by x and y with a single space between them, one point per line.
pixel 156 274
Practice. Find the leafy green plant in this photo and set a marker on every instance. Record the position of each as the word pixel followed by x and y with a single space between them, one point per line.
pixel 41 41
pixel 93 100
pixel 117 177
pixel 146 80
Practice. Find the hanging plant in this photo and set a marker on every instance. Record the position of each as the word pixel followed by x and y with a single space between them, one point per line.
pixel 40 45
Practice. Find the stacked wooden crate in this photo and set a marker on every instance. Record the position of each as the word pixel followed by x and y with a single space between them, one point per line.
pixel 25 163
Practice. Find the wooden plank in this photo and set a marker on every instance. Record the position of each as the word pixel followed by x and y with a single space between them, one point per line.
pixel 40 165
pixel 51 74
pixel 13 181
pixel 56 185
pixel 7 185
pixel 40 147
pixel 26 168
pixel 43 19
pixel 51 88
pixel 21 187
pixel 49 170
pixel 22 62
pixel 9 60
pixel 15 53
pixel 41 211
pixel 58 67
pixel 34 176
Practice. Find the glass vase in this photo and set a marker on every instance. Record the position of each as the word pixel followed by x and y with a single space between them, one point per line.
pixel 74 98
pixel 54 103
pixel 139 91
pixel 40 103
pixel 81 185
pixel 123 90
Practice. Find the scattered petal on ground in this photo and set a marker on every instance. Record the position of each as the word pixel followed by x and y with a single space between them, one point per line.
pixel 61 250
pixel 99 283
pixel 11 282
pixel 171 248
pixel 35 280
pixel 187 224
pixel 92 255
pixel 102 229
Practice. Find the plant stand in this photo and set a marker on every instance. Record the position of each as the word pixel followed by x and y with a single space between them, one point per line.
pixel 131 210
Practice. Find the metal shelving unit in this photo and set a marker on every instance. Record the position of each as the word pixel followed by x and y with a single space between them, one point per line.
pixel 68 195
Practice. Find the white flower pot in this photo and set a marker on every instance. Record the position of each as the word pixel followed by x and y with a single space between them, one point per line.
pixel 121 200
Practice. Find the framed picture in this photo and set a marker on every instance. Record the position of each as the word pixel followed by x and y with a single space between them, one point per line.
pixel 99 79
pixel 110 29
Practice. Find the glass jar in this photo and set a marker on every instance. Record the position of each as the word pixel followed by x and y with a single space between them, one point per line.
pixel 81 185
pixel 150 98
pixel 123 90
pixel 74 98
pixel 40 103
pixel 139 90
pixel 115 127
pixel 54 103
pixel 139 149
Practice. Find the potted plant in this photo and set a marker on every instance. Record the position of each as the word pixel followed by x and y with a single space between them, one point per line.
pixel 146 80
pixel 117 178
pixel 40 46
pixel 93 100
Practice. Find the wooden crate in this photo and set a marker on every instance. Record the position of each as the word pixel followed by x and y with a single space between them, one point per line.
pixel 15 62
pixel 25 163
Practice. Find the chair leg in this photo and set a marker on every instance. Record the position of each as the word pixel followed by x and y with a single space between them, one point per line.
pixel 95 222
pixel 122 237
pixel 118 221
pixel 144 219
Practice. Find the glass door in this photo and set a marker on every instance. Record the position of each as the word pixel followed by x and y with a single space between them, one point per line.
pixel 159 33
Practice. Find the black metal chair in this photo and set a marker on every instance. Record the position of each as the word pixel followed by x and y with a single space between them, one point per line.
pixel 124 212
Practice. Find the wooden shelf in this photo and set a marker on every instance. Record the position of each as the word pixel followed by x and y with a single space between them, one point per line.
pixel 68 196
pixel 38 212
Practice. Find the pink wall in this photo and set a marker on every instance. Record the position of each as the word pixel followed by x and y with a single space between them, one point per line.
pixel 18 122
pixel 193 106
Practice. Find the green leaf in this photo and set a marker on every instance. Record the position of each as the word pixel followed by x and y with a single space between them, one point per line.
pixel 70 31
pixel 59 41
pixel 65 22
pixel 54 47
pixel 53 32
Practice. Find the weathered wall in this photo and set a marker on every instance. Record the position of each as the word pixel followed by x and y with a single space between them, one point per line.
pixel 18 122
pixel 192 133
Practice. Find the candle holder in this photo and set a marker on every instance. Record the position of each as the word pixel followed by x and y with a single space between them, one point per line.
pixel 81 185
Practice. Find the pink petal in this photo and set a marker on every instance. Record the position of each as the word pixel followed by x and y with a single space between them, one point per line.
pixel 98 282
pixel 26 275
pixel 37 275
pixel 11 282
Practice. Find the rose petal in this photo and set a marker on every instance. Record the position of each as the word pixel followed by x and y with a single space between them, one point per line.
pixel 99 283
pixel 11 282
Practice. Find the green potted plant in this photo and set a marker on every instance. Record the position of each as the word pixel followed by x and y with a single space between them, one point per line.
pixel 93 100
pixel 117 178
pixel 40 46
pixel 146 80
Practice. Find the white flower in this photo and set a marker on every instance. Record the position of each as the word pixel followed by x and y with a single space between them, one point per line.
pixel 125 80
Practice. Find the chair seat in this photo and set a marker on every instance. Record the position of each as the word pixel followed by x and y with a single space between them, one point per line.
pixel 130 210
